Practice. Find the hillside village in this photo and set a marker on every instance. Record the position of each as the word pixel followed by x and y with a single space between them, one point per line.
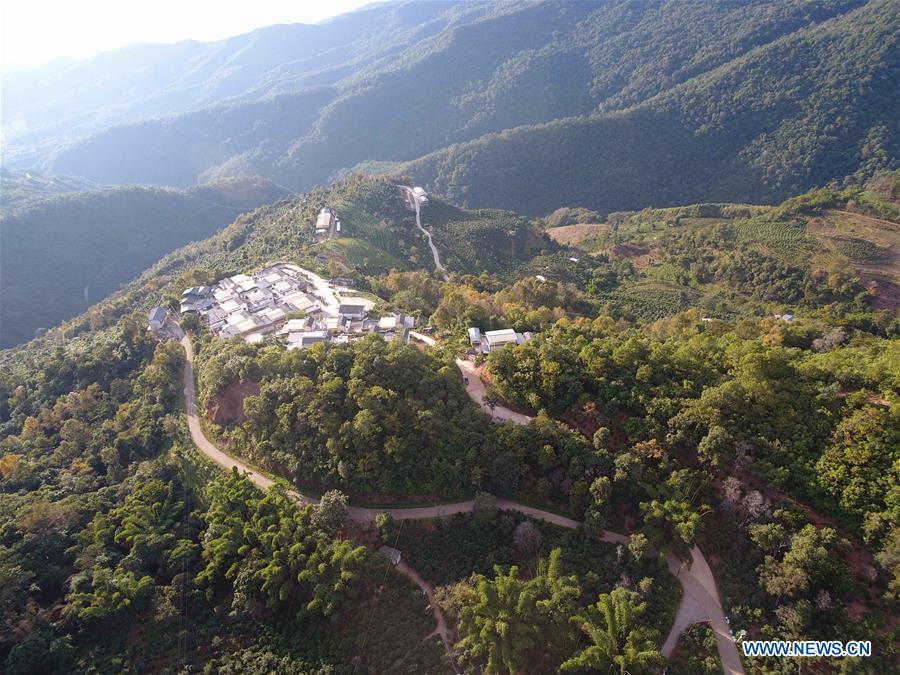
pixel 288 303
pixel 292 305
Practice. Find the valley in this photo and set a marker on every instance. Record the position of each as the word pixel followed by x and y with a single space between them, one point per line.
pixel 570 92
pixel 62 253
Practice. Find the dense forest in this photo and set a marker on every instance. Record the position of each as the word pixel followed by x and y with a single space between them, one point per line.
pixel 669 403
pixel 523 105
pixel 61 253
pixel 758 128
pixel 122 551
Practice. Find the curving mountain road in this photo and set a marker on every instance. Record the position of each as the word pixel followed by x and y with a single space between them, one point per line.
pixel 476 390
pixel 695 579
pixel 412 199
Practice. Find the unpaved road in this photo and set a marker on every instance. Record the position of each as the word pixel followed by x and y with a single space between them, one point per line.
pixel 411 197
pixel 441 629
pixel 476 390
pixel 696 579
pixel 889 224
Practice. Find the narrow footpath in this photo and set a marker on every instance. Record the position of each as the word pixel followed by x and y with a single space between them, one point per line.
pixel 696 578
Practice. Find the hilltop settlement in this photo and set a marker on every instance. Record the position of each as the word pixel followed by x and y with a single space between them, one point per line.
pixel 288 303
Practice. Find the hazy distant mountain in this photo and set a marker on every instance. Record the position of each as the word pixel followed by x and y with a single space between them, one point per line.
pixel 61 253
pixel 636 103
pixel 17 187
pixel 70 99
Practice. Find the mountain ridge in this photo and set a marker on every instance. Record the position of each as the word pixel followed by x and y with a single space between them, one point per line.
pixel 480 71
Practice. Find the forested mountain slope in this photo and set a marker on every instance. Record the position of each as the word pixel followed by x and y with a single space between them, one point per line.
pixel 748 101
pixel 59 254
pixel 227 140
pixel 812 106
pixel 17 187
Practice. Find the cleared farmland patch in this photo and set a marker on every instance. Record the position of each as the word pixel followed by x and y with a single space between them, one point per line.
pixel 572 235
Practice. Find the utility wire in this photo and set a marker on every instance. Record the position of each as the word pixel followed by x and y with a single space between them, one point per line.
pixel 377 602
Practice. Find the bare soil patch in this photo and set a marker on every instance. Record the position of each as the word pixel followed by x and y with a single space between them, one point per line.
pixel 572 235
pixel 229 407
pixel 639 254
pixel 881 276
pixel 630 249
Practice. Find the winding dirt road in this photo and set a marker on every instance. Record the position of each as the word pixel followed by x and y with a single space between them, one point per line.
pixel 412 199
pixel 476 390
pixel 696 579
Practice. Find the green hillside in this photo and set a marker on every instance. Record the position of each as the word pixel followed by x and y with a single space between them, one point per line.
pixel 61 253
pixel 69 100
pixel 17 187
pixel 650 407
pixel 378 235
pixel 826 246
pixel 768 444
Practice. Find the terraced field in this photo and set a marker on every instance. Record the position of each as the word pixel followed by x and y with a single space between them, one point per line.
pixel 648 300
pixel 783 239
pixel 870 245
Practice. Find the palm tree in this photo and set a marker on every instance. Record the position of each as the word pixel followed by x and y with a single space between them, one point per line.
pixel 501 624
pixel 512 622
pixel 619 644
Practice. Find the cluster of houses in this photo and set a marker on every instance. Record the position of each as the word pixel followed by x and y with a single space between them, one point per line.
pixel 494 339
pixel 350 323
pixel 289 303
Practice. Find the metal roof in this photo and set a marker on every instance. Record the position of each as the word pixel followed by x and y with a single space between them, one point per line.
pixel 390 553
pixel 156 314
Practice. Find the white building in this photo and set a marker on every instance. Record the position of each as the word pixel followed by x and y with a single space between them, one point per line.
pixel 299 302
pixel 494 339
pixel 254 306
pixel 390 322
pixel 327 221
pixel 352 310
pixel 501 338
pixel 306 339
